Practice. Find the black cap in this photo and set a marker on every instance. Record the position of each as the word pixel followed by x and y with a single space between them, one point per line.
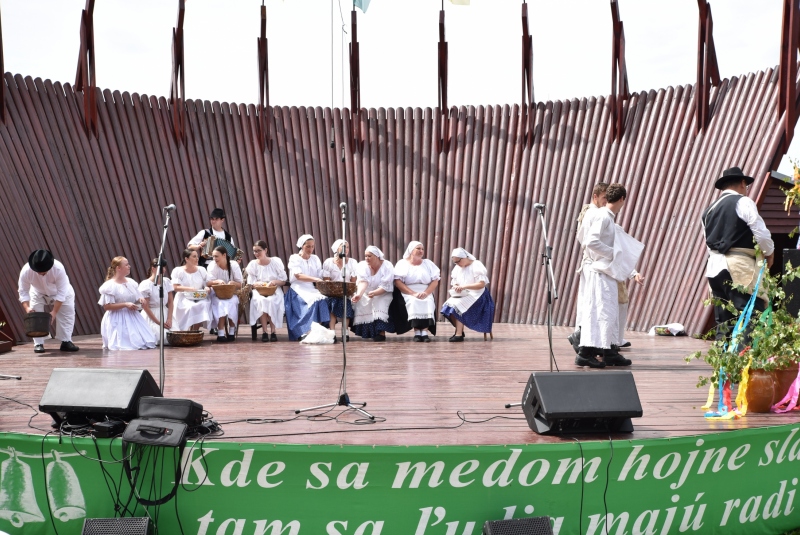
pixel 41 260
pixel 734 174
pixel 217 213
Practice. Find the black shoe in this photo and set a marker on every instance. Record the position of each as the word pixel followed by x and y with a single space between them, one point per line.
pixel 417 338
pixel 626 344
pixel 588 357
pixel 221 339
pixel 303 337
pixel 212 331
pixel 38 348
pixel 66 346
pixel 273 338
pixel 575 340
pixel 456 338
pixel 379 338
pixel 264 337
pixel 230 337
pixel 613 358
pixel 347 337
pixel 335 340
pixel 425 338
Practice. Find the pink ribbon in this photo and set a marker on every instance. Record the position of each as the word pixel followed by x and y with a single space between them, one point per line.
pixel 790 399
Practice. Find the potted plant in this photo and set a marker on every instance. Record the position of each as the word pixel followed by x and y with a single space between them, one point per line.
pixel 766 368
pixel 5 345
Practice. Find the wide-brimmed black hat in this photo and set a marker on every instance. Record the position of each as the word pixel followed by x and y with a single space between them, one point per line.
pixel 734 174
pixel 217 213
pixel 41 260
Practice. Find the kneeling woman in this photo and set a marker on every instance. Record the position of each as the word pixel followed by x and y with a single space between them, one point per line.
pixel 470 304
pixel 149 290
pixel 190 277
pixel 224 312
pixel 304 304
pixel 269 310
pixel 122 326
pixel 374 296
pixel 417 278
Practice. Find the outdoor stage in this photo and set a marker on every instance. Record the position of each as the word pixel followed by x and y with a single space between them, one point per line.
pixel 407 383
pixel 422 470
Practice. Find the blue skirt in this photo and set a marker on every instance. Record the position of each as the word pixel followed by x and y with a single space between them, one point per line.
pixel 478 317
pixel 368 330
pixel 336 306
pixel 300 315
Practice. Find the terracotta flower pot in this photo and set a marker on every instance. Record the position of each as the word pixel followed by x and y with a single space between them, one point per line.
pixel 767 388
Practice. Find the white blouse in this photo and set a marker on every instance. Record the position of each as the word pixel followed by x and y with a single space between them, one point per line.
pixel 196 280
pixel 408 273
pixel 330 269
pixel 311 267
pixel 271 272
pixel 475 272
pixel 113 292
pixel 149 291
pixel 384 278
pixel 215 272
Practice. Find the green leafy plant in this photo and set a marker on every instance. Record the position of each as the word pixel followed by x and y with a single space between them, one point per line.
pixel 775 335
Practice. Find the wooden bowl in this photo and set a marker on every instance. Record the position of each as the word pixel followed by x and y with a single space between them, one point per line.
pixel 185 338
pixel 266 291
pixel 334 289
pixel 37 324
pixel 225 291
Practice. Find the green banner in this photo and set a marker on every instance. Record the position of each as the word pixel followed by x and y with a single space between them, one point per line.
pixel 743 481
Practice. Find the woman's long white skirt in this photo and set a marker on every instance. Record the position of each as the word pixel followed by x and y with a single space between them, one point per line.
pixel 155 327
pixel 224 307
pixel 187 313
pixel 272 306
pixel 125 329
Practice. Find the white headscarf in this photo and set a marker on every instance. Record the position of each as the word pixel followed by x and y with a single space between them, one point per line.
pixel 411 246
pixel 303 239
pixel 460 252
pixel 375 251
pixel 337 245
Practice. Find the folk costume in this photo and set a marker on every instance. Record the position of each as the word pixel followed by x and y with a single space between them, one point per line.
pixel 330 270
pixel 149 291
pixel 46 290
pixel 420 313
pixel 216 213
pixel 222 308
pixel 124 329
pixel 304 304
pixel 473 308
pixel 187 311
pixel 731 225
pixel 372 313
pixel 272 305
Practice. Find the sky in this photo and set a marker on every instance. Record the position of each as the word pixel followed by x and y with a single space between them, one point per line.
pixel 398 42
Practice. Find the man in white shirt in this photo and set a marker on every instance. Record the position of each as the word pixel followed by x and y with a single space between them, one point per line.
pixel 217 219
pixel 731 225
pixel 43 281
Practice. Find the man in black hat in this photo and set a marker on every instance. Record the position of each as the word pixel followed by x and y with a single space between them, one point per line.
pixel 732 226
pixel 43 281
pixel 217 219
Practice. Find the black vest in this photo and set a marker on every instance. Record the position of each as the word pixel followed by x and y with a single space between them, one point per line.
pixel 725 229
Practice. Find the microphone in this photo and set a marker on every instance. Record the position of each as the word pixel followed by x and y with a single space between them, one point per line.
pixel 169 208
pixel 538 206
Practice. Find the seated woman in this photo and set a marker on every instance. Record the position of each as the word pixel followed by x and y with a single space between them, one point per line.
pixel 470 304
pixel 122 326
pixel 417 278
pixel 189 314
pixel 224 312
pixel 304 304
pixel 266 271
pixel 332 271
pixel 375 279
pixel 149 291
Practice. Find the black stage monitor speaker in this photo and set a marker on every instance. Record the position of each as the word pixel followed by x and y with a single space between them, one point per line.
pixel 180 410
pixel 581 402
pixel 792 288
pixel 116 526
pixel 83 393
pixel 539 525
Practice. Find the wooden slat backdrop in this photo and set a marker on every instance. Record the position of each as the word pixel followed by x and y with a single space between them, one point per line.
pixel 89 199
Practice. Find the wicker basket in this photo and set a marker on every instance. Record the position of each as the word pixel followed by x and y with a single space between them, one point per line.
pixel 266 291
pixel 37 324
pixel 334 289
pixel 185 338
pixel 225 291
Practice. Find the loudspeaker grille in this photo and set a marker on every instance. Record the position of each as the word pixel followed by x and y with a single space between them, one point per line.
pixel 539 525
pixel 116 526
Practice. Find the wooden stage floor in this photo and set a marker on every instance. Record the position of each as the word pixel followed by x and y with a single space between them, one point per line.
pixel 419 389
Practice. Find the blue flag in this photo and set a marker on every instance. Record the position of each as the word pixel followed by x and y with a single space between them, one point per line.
pixel 362 4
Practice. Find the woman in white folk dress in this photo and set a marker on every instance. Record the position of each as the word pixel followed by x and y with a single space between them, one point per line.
pixel 267 310
pixel 417 279
pixel 122 327
pixel 470 304
pixel 375 285
pixel 224 312
pixel 190 314
pixel 304 303
pixel 332 271
pixel 149 290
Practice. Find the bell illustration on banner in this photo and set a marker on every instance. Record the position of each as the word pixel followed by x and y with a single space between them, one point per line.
pixel 64 490
pixel 17 499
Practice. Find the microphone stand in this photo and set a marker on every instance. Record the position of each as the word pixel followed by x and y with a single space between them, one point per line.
pixel 552 292
pixel 160 283
pixel 344 399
